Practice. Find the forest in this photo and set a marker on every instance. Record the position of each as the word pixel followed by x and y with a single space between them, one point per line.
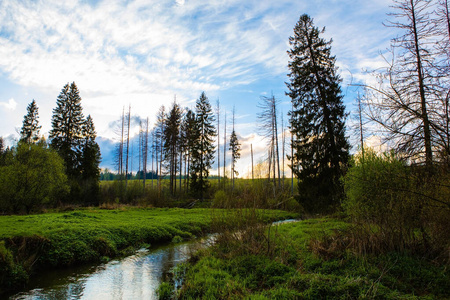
pixel 374 224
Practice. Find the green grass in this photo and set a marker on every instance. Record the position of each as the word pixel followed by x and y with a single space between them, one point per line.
pixel 297 269
pixel 58 239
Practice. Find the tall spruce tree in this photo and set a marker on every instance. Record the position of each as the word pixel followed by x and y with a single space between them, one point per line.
pixel 67 128
pixel 317 118
pixel 235 148
pixel 30 128
pixel 202 151
pixel 171 143
pixel 89 166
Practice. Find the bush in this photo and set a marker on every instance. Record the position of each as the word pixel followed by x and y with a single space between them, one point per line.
pixel 32 179
pixel 397 207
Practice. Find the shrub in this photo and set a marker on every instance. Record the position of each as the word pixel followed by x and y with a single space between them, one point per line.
pixel 396 206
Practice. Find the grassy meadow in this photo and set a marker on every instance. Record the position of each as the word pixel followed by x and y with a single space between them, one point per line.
pixel 305 260
pixel 29 243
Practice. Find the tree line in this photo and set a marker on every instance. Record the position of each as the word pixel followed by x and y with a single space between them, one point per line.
pixel 36 173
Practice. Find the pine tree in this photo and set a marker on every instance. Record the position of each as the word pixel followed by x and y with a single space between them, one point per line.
pixel 171 143
pixel 30 128
pixel 67 128
pixel 317 118
pixel 202 150
pixel 235 148
pixel 90 160
pixel 187 129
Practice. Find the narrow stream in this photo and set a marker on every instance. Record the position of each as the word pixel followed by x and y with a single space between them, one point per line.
pixel 133 277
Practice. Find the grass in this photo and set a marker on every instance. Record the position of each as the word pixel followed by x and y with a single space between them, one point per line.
pixel 305 261
pixel 59 239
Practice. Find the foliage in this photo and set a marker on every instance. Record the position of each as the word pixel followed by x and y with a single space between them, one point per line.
pixel 397 207
pixel 235 148
pixel 294 269
pixel 171 139
pixel 67 127
pixel 32 179
pixel 73 137
pixel 317 118
pixel 30 128
pixel 89 167
pixel 202 150
pixel 43 241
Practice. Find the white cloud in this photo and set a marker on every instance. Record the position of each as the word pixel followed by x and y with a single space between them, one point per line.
pixel 10 105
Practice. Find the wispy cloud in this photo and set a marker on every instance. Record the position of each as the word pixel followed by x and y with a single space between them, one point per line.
pixel 11 104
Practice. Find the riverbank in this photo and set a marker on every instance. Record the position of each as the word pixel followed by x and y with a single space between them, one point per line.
pixel 306 260
pixel 32 243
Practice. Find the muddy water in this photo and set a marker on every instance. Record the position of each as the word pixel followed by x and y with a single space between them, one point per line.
pixel 133 277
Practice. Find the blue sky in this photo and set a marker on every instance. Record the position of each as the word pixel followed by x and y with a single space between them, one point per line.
pixel 142 53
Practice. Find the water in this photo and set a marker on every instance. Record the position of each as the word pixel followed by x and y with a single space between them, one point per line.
pixel 133 277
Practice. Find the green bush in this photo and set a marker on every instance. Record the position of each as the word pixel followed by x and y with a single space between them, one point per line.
pixel 396 206
pixel 33 178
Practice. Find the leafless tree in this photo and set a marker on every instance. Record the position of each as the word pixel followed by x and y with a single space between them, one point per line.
pixel 408 101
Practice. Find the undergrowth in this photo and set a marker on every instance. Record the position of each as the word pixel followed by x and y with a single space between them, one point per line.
pixel 308 260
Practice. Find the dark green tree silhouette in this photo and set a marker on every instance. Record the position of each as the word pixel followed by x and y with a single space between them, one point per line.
pixel 89 166
pixel 67 128
pixel 202 151
pixel 317 118
pixel 171 143
pixel 30 128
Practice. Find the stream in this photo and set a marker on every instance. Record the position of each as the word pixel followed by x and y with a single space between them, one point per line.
pixel 133 277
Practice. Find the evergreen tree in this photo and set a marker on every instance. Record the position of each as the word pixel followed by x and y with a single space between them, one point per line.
pixel 90 160
pixel 171 142
pixel 317 118
pixel 30 128
pixel 235 148
pixel 187 129
pixel 67 128
pixel 202 151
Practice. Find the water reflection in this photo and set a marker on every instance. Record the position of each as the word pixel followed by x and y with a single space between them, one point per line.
pixel 134 277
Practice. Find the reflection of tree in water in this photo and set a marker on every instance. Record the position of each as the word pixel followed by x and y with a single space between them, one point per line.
pixel 135 277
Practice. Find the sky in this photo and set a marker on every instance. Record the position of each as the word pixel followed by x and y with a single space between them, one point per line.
pixel 145 54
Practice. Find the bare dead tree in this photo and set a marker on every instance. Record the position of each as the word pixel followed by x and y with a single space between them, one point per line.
pixel 269 129
pixel 218 138
pixel 128 144
pixel 406 102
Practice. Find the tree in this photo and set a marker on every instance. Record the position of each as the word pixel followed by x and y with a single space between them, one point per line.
pixel 159 143
pixel 90 161
pixel 317 117
pixel 187 129
pixel 202 151
pixel 33 178
pixel 268 118
pixel 171 143
pixel 66 134
pixel 235 148
pixel 410 103
pixel 31 127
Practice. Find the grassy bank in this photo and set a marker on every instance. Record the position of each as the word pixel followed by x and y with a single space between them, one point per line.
pixel 307 260
pixel 35 242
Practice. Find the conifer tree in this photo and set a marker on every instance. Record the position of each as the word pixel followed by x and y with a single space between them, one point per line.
pixel 235 148
pixel 202 150
pixel 317 118
pixel 171 143
pixel 30 128
pixel 67 128
pixel 90 160
pixel 187 128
